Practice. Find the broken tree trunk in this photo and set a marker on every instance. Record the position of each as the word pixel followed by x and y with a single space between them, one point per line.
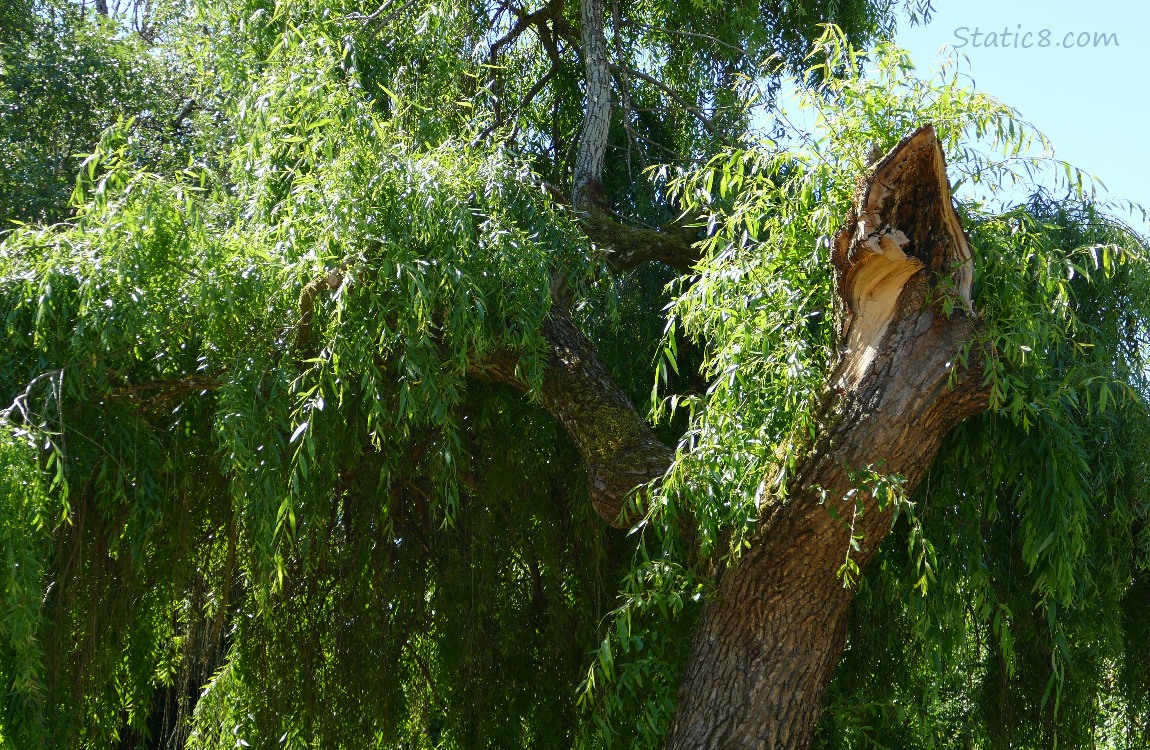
pixel 767 644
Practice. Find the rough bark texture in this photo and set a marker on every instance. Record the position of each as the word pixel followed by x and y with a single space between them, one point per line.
pixel 597 113
pixel 628 247
pixel 768 643
pixel 619 450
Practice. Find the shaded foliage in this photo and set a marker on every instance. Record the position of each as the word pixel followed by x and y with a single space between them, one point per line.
pixel 251 490
pixel 65 76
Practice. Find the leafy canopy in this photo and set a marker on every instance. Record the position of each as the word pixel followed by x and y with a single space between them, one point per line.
pixel 1032 517
pixel 251 493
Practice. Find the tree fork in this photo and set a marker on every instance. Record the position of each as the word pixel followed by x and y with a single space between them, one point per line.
pixel 767 644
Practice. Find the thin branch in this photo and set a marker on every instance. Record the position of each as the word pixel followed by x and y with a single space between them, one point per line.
pixel 674 96
pixel 167 391
pixel 534 90
pixel 530 96
pixel 662 147
pixel 378 12
pixel 525 21
pixel 383 15
pixel 676 108
pixel 523 104
pixel 697 35
pixel 624 89
pixel 20 403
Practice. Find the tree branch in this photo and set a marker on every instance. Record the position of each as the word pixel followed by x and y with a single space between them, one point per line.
pixel 155 395
pixel 185 110
pixel 696 35
pixel 671 94
pixel 620 452
pixel 523 104
pixel 383 15
pixel 329 282
pixel 627 247
pixel 588 174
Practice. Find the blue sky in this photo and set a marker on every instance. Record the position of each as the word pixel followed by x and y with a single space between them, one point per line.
pixel 1093 101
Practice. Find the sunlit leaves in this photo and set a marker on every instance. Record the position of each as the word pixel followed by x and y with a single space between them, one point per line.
pixel 1030 508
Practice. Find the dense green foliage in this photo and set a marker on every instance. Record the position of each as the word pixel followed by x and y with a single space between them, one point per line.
pixel 64 78
pixel 1006 610
pixel 234 510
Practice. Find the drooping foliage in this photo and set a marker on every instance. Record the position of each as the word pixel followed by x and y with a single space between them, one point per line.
pixel 1006 610
pixel 255 487
pixel 65 76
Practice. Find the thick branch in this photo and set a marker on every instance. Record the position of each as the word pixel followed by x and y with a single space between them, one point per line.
pixel 619 451
pixel 628 247
pixel 329 282
pixel 597 111
pixel 769 641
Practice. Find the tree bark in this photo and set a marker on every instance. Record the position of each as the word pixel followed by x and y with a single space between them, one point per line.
pixel 597 112
pixel 618 448
pixel 627 247
pixel 767 645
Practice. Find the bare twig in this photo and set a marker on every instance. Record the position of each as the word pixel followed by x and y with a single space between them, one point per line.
pixel 671 94
pixel 697 35
pixel 20 403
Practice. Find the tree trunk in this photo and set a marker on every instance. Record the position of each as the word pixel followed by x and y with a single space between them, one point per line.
pixel 768 643
pixel 587 187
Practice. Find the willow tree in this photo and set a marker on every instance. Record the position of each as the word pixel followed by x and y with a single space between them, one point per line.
pixel 330 438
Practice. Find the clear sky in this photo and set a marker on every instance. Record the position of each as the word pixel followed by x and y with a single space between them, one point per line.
pixel 1091 98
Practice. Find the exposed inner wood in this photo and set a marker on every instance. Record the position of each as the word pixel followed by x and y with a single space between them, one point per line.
pixel 768 642
pixel 872 288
